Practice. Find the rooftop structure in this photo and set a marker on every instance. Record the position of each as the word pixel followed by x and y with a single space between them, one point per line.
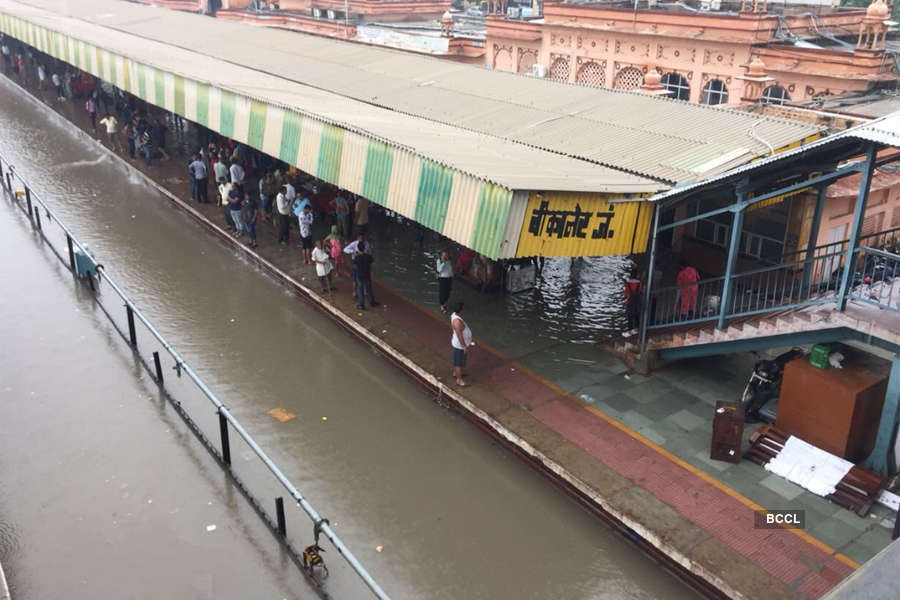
pixel 473 154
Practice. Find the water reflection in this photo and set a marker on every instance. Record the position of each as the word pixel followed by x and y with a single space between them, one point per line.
pixel 575 300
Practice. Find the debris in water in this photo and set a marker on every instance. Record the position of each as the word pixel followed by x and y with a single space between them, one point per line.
pixel 282 415
pixel 210 528
pixel 324 418
pixel 627 376
pixel 149 501
pixel 379 548
pixel 384 331
pixel 133 216
pixel 232 320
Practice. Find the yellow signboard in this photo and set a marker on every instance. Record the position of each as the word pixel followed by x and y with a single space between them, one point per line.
pixel 572 224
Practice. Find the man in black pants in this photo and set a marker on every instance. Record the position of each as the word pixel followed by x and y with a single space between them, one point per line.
pixel 283 209
pixel 200 174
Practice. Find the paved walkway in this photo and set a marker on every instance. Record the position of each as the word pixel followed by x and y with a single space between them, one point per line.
pixel 638 446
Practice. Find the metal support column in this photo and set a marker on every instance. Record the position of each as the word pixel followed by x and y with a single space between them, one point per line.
pixel 71 253
pixel 132 334
pixel 882 458
pixel 226 446
pixel 28 202
pixel 813 236
pixel 648 283
pixel 279 515
pixel 737 224
pixel 158 365
pixel 858 215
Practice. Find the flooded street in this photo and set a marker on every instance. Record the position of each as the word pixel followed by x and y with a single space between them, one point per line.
pixel 458 517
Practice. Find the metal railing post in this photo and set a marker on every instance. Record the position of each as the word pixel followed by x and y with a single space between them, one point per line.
pixel 37 220
pixel 649 305
pixel 71 252
pixel 28 202
pixel 132 335
pixel 226 447
pixel 9 181
pixel 813 238
pixel 158 365
pixel 858 215
pixel 279 515
pixel 737 224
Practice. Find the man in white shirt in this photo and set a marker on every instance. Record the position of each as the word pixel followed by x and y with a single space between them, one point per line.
pixel 112 130
pixel 283 208
pixel 237 175
pixel 220 170
pixel 306 220
pixel 224 188
pixel 57 85
pixel 290 193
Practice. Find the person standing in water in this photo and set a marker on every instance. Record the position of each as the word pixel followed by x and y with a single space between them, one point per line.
pixel 460 342
pixel 445 279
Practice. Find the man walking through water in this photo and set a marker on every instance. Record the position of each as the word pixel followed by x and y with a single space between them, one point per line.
pixel 283 208
pixel 362 260
pixel 200 175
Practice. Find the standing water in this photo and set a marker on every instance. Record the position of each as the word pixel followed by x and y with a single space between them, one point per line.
pixel 455 515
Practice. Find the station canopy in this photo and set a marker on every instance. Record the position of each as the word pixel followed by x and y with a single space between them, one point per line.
pixel 504 164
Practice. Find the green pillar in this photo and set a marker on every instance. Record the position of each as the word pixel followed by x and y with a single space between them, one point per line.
pixel 858 214
pixel 813 237
pixel 737 225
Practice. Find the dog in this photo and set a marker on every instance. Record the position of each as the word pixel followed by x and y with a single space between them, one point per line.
pixel 312 558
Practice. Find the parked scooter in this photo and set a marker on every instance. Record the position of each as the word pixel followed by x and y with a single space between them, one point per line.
pixel 765 383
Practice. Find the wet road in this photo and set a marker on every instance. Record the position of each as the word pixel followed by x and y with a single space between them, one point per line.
pixel 458 517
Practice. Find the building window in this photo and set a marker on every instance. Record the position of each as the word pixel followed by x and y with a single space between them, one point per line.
pixel 775 94
pixel 526 61
pixel 559 70
pixel 628 78
pixel 715 92
pixel 677 85
pixel 591 73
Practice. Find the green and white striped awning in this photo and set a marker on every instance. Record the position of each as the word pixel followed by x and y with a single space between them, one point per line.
pixel 465 185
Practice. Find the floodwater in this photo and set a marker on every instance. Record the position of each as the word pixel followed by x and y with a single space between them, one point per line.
pixel 576 301
pixel 456 516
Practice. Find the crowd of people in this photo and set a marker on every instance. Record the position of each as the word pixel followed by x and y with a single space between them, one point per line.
pixel 252 188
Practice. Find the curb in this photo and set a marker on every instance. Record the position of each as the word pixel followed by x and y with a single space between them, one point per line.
pixel 680 564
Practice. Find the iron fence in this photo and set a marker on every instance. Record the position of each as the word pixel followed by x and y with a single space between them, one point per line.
pixel 187 392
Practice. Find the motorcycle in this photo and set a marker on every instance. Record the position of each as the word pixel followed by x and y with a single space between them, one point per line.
pixel 765 383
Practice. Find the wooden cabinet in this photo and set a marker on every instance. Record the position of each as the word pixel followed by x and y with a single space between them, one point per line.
pixel 728 430
pixel 837 410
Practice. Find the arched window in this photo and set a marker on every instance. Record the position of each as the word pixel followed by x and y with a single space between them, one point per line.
pixel 559 70
pixel 715 92
pixel 775 94
pixel 677 85
pixel 503 59
pixel 628 78
pixel 526 61
pixel 591 73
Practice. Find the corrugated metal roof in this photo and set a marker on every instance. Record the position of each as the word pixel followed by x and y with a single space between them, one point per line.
pixel 505 162
pixel 626 130
pixel 884 131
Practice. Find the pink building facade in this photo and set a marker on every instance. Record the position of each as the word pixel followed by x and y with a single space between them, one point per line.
pixel 701 56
